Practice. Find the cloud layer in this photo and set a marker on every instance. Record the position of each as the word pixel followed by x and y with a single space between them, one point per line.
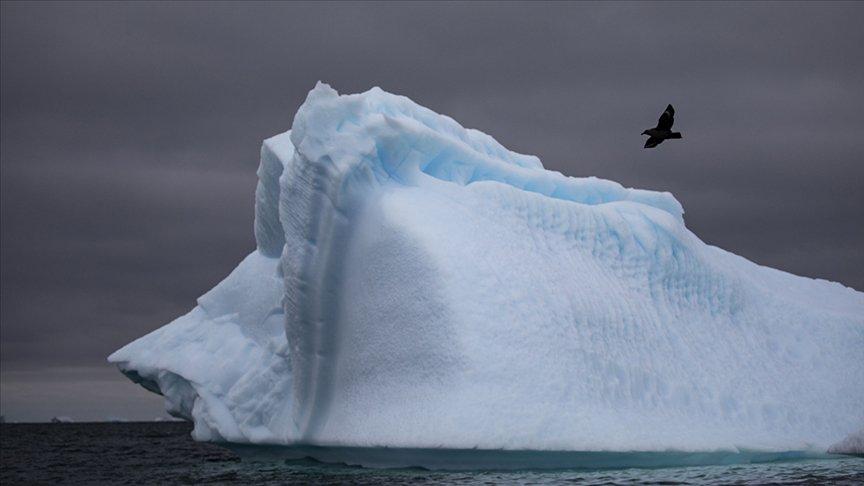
pixel 130 136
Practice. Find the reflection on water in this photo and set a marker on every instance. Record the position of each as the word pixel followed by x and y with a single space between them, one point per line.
pixel 479 459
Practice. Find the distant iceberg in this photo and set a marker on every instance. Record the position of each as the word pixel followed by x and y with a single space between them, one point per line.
pixel 418 285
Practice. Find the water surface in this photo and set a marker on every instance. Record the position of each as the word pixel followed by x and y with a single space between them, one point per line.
pixel 163 452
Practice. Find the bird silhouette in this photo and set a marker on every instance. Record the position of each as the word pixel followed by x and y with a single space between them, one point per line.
pixel 663 130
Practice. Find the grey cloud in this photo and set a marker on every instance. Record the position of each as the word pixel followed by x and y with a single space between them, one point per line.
pixel 130 136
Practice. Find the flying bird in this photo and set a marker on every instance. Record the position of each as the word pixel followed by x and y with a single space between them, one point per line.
pixel 663 130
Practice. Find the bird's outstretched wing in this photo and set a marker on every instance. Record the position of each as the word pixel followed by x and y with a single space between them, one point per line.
pixel 653 142
pixel 666 119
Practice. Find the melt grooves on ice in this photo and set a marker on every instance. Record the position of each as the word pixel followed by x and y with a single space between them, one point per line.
pixel 418 285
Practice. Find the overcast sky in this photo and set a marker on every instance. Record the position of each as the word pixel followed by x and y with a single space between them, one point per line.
pixel 130 139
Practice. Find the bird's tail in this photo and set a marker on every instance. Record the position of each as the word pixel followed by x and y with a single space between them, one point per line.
pixel 675 135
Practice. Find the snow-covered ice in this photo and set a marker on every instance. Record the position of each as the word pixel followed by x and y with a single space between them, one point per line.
pixel 418 285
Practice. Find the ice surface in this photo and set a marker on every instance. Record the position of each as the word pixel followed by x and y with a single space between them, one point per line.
pixel 225 364
pixel 851 444
pixel 418 285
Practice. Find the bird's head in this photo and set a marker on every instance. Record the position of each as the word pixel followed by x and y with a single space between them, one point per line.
pixel 645 132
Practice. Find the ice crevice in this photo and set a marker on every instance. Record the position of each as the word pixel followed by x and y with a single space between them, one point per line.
pixel 416 285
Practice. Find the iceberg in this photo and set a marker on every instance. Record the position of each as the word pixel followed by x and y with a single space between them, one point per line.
pixel 418 286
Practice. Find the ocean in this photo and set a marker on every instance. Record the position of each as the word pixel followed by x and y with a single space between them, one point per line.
pixel 164 453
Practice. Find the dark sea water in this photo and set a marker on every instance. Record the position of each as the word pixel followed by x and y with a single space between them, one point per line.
pixel 163 452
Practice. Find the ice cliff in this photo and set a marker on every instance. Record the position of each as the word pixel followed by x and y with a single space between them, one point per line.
pixel 416 284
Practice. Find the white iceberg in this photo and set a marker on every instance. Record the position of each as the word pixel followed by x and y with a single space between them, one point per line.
pixel 418 285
